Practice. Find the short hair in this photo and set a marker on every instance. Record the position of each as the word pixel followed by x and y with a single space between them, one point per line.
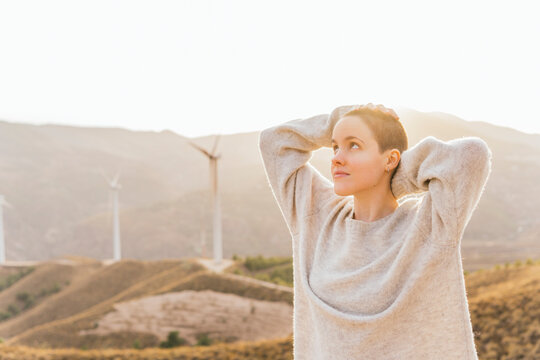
pixel 386 128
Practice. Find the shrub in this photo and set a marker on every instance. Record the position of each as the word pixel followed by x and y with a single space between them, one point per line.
pixel 260 263
pixel 263 277
pixel 55 288
pixel 26 298
pixel 203 339
pixel 13 309
pixel 173 340
pixel 13 278
pixel 23 296
pixel 282 275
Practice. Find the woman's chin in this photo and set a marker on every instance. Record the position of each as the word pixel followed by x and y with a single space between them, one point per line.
pixel 341 192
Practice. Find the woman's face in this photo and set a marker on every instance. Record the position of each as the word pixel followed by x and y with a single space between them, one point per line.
pixel 356 152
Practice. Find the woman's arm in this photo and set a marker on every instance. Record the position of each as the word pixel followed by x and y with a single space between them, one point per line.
pixel 454 173
pixel 300 190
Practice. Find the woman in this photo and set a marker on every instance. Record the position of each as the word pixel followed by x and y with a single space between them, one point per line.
pixel 377 274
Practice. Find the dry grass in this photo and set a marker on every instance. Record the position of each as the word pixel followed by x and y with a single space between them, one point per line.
pixel 159 278
pixel 504 302
pixel 46 308
pixel 238 285
pixel 505 311
pixel 57 321
pixel 280 349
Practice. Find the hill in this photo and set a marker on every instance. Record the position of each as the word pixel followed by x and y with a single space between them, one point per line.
pixel 504 303
pixel 112 309
pixel 51 174
pixel 128 301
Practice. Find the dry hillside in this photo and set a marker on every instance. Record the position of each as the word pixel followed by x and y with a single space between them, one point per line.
pixel 504 303
pixel 234 312
pixel 141 301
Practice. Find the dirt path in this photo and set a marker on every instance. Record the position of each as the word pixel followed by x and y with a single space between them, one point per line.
pixel 209 263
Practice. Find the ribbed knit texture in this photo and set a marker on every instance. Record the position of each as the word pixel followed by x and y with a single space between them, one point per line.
pixel 392 288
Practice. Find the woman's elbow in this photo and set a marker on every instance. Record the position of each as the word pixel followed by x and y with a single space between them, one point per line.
pixel 478 150
pixel 268 138
pixel 478 157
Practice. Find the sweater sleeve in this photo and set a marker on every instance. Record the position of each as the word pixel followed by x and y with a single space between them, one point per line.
pixel 299 189
pixel 454 174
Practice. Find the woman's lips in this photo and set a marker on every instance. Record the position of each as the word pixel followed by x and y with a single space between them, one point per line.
pixel 339 175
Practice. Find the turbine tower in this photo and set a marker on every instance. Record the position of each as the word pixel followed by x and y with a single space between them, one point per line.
pixel 115 188
pixel 3 203
pixel 218 245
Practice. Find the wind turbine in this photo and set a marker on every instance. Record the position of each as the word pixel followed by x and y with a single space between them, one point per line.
pixel 218 245
pixel 3 203
pixel 115 188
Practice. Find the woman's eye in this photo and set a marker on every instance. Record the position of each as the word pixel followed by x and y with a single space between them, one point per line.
pixel 353 144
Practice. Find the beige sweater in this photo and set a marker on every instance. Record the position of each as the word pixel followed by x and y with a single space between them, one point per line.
pixel 388 289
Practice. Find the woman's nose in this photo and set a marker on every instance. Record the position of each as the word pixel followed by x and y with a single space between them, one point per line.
pixel 337 158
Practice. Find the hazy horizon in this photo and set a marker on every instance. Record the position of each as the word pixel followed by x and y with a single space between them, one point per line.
pixel 208 67
pixel 104 126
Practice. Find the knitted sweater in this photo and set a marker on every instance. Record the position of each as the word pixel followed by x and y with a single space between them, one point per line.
pixel 392 288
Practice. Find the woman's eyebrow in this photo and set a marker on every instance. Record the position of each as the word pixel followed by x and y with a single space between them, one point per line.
pixel 350 137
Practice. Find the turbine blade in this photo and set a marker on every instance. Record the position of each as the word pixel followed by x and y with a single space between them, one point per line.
pixel 200 149
pixel 105 176
pixel 115 180
pixel 215 144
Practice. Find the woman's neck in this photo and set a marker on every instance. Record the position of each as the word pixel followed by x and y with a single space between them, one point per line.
pixel 373 205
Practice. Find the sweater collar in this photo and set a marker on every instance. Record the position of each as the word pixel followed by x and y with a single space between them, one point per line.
pixel 403 204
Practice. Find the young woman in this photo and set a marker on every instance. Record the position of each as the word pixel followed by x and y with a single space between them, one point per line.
pixel 377 274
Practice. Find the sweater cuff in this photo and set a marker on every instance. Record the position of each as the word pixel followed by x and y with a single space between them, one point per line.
pixel 400 185
pixel 398 188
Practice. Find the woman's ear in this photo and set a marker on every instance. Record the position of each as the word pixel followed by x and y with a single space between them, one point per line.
pixel 393 159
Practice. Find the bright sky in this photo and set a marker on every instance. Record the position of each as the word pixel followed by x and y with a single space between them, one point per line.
pixel 204 67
